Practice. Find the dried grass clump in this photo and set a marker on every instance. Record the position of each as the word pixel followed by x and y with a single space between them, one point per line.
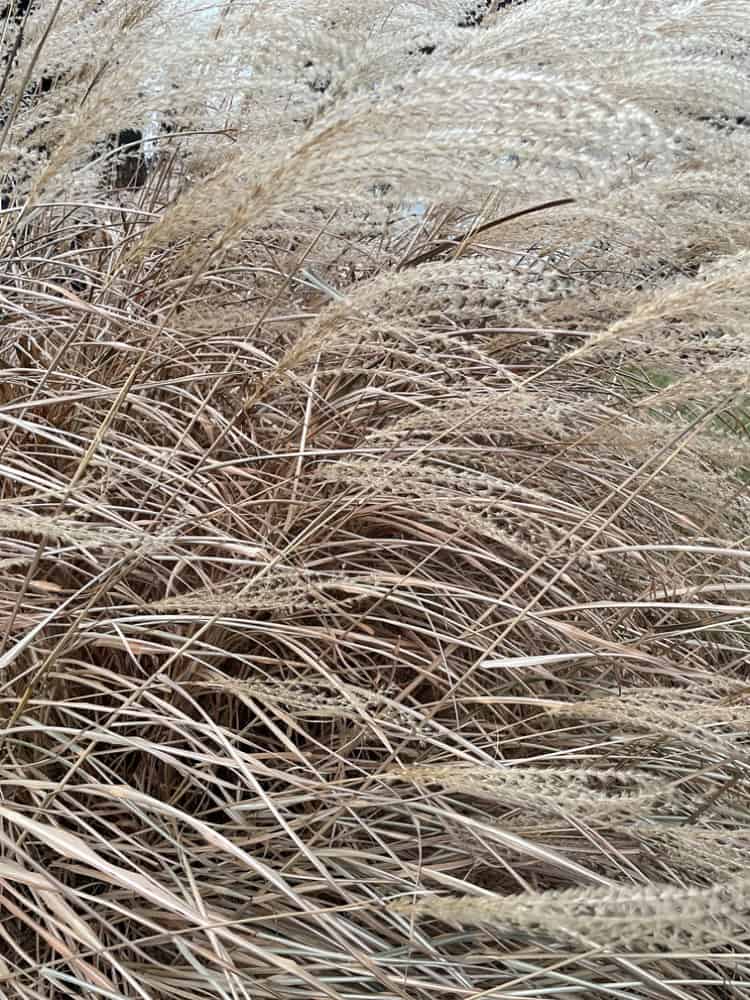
pixel 373 526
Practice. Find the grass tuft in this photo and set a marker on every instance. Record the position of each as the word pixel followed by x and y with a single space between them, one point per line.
pixel 373 519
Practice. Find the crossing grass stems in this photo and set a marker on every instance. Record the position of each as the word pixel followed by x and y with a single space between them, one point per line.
pixel 374 583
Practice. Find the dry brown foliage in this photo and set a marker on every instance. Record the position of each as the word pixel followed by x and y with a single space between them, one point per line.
pixel 373 529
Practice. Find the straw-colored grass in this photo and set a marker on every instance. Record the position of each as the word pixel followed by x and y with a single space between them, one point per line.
pixel 374 586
